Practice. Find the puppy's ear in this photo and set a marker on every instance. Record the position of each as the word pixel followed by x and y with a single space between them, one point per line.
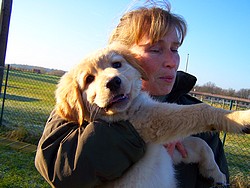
pixel 69 102
pixel 135 63
pixel 129 56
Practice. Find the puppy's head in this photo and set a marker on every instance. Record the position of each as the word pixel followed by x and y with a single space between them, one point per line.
pixel 104 84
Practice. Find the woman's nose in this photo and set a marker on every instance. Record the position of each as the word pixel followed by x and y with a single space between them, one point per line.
pixel 170 59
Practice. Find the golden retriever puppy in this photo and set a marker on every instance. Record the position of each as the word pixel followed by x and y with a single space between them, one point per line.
pixel 107 85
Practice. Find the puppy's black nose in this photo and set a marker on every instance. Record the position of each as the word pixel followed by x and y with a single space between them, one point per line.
pixel 114 84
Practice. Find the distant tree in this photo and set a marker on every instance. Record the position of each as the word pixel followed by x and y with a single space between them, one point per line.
pixel 243 93
pixel 210 87
pixel 56 72
pixel 230 92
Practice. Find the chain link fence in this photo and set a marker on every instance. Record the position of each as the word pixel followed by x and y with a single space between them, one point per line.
pixel 29 99
pixel 26 102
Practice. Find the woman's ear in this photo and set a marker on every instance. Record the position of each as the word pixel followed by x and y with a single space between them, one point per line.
pixel 69 102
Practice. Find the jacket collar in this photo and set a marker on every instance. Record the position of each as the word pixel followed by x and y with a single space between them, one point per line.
pixel 183 84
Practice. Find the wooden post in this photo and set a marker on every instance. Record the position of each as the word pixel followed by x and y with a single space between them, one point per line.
pixel 6 8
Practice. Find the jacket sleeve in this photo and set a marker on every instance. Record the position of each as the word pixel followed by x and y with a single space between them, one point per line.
pixel 69 155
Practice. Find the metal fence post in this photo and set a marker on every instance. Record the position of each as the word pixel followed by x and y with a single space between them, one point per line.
pixel 4 94
pixel 225 134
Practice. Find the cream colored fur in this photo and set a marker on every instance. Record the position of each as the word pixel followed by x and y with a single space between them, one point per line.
pixel 107 85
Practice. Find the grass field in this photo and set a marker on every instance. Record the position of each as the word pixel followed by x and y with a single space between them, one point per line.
pixel 29 101
pixel 17 170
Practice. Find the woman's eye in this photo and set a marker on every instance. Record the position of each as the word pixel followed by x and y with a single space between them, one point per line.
pixel 116 64
pixel 89 79
pixel 174 50
pixel 155 49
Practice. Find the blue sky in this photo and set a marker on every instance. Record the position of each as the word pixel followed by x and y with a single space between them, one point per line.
pixel 58 34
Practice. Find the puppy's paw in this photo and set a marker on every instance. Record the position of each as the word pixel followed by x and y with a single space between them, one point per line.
pixel 246 129
pixel 240 121
pixel 220 179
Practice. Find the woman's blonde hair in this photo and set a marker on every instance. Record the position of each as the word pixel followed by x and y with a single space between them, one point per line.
pixel 153 22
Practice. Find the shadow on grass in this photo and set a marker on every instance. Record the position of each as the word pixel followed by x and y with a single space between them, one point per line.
pixel 20 98
pixel 24 124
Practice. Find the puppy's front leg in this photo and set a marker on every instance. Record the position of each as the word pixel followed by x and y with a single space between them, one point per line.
pixel 164 122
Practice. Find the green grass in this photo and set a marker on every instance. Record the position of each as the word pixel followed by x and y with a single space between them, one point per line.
pixel 17 170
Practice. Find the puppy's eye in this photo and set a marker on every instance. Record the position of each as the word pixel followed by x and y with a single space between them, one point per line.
pixel 116 64
pixel 89 79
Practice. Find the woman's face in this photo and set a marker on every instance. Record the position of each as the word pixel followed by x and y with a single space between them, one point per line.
pixel 160 61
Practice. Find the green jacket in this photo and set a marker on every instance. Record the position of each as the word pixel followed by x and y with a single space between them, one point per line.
pixel 72 156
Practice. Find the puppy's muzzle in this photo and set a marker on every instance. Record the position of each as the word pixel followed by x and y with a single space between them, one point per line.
pixel 114 84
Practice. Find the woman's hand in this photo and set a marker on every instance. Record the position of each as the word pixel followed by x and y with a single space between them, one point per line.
pixel 176 145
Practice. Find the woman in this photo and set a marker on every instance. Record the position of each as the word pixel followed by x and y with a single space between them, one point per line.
pixel 66 154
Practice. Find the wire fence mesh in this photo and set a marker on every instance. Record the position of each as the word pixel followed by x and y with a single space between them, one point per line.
pixel 29 99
